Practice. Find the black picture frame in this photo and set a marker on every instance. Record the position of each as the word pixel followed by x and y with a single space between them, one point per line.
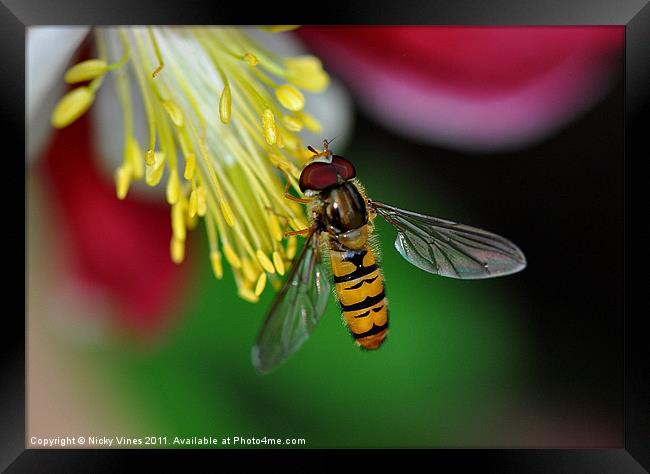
pixel 17 15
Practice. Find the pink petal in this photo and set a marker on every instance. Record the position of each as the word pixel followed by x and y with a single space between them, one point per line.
pixel 474 88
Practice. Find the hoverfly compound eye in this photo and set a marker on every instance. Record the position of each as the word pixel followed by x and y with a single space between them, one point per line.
pixel 344 168
pixel 320 175
pixel 317 176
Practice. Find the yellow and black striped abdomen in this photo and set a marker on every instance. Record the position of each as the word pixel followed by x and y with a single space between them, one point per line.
pixel 360 291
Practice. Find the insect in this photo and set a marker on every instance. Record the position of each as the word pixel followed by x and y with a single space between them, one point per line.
pixel 342 225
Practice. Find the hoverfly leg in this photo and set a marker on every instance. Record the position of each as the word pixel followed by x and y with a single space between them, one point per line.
pixel 298 232
pixel 290 197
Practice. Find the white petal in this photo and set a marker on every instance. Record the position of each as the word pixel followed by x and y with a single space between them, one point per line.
pixel 49 50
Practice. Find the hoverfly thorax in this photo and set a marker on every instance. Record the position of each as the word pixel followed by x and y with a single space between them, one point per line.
pixel 345 215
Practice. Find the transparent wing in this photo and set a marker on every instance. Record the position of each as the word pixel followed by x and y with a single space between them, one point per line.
pixel 296 311
pixel 450 249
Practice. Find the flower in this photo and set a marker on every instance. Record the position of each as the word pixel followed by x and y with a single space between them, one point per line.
pixel 472 88
pixel 223 115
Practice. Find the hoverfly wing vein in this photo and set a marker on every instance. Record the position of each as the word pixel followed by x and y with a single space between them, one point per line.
pixel 296 311
pixel 448 248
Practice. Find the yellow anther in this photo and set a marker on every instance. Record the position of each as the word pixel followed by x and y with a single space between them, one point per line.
pixel 297 223
pixel 191 221
pixel 150 157
pixel 231 256
pixel 174 112
pixel 307 73
pixel 276 230
pixel 217 267
pixel 201 203
pixel 251 59
pixel 290 97
pixel 190 166
pixel 278 263
pixel 192 207
pixel 225 104
pixel 250 273
pixel 310 122
pixel 268 125
pixel 261 283
pixel 265 261
pixel 123 179
pixel 292 246
pixel 246 294
pixel 134 157
pixel 86 71
pixel 173 187
pixel 227 213
pixel 72 106
pixel 154 172
pixel 178 220
pixel 177 250
pixel 293 124
pixel 233 180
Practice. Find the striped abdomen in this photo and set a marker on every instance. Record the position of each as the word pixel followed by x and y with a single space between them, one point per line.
pixel 360 291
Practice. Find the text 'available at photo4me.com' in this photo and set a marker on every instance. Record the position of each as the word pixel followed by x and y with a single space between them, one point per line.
pixel 99 441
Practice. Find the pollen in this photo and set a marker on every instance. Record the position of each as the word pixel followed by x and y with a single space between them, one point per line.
pixel 226 112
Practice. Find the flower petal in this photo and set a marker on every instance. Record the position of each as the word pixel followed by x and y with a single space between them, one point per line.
pixel 473 88
pixel 49 50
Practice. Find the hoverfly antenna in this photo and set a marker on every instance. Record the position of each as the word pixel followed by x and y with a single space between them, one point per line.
pixel 324 155
pixel 327 143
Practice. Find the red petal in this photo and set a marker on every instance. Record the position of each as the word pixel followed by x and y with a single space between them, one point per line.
pixel 119 247
pixel 473 86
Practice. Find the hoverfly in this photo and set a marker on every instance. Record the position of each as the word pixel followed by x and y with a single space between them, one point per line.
pixel 342 219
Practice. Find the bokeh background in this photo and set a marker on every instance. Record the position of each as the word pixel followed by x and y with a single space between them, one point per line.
pixel 521 135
